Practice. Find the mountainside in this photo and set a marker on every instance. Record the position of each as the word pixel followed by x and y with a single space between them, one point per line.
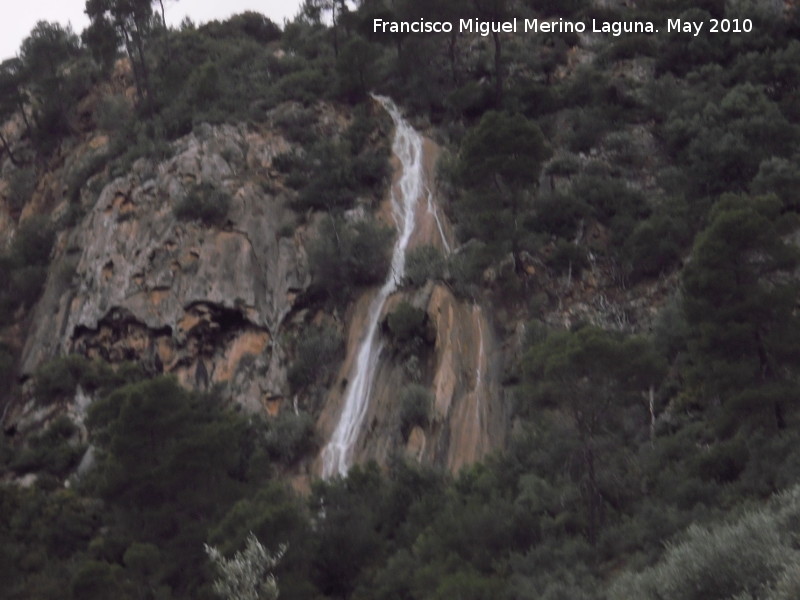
pixel 475 313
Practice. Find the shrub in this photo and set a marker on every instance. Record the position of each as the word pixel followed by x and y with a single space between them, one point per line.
pixel 289 162
pixel 423 263
pixel 6 366
pixel 331 184
pixel 59 378
pixel 349 254
pixel 51 451
pixel 371 169
pixel 613 203
pixel 290 436
pixel 465 269
pixel 511 147
pixel 779 176
pixel 751 557
pixel 560 214
pixel 81 173
pixel 416 403
pixel 20 188
pixel 317 355
pixel 26 284
pixel 298 125
pixel 307 86
pixel 723 462
pixel 567 257
pixel 406 322
pixel 656 245
pixel 114 114
pixel 588 128
pixel 206 203
pixel 33 242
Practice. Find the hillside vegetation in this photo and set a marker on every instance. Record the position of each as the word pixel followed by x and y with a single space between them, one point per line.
pixel 627 206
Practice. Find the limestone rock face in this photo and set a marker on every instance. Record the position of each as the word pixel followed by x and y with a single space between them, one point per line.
pixel 461 368
pixel 203 302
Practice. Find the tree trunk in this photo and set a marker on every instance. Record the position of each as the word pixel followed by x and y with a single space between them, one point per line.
pixel 335 30
pixel 498 70
pixel 25 117
pixel 137 78
pixel 166 32
pixel 453 57
pixel 594 499
pixel 143 64
pixel 7 148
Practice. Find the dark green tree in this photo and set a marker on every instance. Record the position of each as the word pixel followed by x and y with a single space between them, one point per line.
pixel 11 99
pixel 131 20
pixel 43 54
pixel 594 376
pixel 739 301
pixel 495 10
pixel 313 10
pixel 168 470
pixel 356 68
pixel 500 158
pixel 504 151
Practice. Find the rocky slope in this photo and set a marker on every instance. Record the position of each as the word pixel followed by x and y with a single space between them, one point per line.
pixel 215 305
pixel 178 296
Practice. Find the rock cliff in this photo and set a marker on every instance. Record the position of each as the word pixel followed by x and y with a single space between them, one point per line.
pixel 204 303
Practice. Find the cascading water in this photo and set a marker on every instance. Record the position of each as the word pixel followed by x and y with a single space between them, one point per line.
pixel 435 213
pixel 479 396
pixel 407 146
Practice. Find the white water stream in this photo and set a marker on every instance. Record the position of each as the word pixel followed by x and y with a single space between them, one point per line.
pixel 407 146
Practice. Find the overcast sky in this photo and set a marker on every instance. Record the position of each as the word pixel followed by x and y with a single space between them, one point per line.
pixel 19 17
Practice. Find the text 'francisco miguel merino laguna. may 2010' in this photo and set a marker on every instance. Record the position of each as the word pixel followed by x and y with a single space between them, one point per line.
pixel 515 25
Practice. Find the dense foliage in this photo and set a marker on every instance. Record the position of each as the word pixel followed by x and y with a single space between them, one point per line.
pixel 621 442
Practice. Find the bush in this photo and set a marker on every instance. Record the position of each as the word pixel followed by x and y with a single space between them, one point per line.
pixel 416 403
pixel 754 556
pixel 26 284
pixel 423 263
pixel 206 203
pixel 307 86
pixel 59 378
pixel 6 367
pixel 588 128
pixel 779 176
pixel 298 125
pixel 33 242
pixel 51 451
pixel 114 114
pixel 20 187
pixel 317 355
pixel 656 245
pixel 88 166
pixel 349 254
pixel 560 214
pixel 466 267
pixel 567 258
pixel 406 323
pixel 613 203
pixel 290 436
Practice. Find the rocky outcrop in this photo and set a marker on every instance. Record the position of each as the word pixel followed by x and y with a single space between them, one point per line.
pixel 461 368
pixel 202 302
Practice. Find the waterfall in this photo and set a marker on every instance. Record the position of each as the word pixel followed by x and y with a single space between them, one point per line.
pixel 407 146
pixel 435 213
pixel 478 378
